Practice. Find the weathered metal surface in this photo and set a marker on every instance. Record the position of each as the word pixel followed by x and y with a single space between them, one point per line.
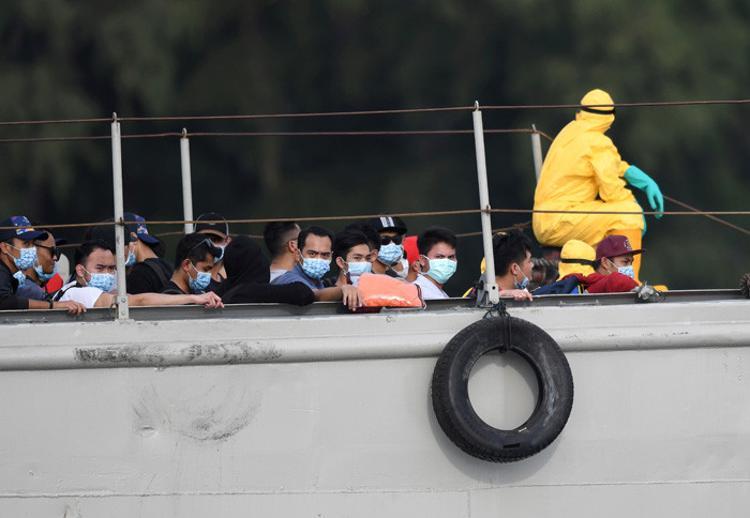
pixel 330 415
pixel 330 308
pixel 395 334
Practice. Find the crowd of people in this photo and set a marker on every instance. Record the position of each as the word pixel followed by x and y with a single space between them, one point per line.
pixel 586 219
pixel 300 265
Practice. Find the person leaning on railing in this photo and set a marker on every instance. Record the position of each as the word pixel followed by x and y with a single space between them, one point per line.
pixel 95 280
pixel 314 254
pixel 351 253
pixel 18 253
pixel 247 278
pixel 513 265
pixel 281 240
pixel 147 272
pixel 218 233
pixel 437 261
pixel 38 283
pixel 390 257
pixel 194 259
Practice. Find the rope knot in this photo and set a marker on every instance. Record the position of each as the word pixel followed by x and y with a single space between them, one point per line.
pixel 499 310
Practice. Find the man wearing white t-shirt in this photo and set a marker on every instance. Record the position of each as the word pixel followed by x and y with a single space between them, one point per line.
pixel 437 261
pixel 95 279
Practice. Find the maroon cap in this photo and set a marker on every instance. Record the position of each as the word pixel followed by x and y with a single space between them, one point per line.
pixel 614 246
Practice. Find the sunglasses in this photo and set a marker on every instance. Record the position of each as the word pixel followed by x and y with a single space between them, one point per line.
pixel 53 250
pixel 386 240
pixel 208 243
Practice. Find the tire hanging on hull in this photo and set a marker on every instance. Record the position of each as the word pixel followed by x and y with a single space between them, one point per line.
pixel 450 389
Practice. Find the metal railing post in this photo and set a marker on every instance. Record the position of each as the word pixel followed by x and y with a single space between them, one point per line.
pixel 536 150
pixel 187 181
pixel 123 312
pixel 490 293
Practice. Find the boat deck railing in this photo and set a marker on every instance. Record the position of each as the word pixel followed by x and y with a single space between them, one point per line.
pixel 251 311
pixel 490 294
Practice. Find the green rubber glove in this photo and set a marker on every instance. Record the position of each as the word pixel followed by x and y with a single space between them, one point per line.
pixel 640 180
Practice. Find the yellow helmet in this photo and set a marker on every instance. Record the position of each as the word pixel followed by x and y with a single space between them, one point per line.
pixel 576 257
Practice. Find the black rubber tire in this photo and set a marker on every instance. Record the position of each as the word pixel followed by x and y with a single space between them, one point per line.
pixel 450 390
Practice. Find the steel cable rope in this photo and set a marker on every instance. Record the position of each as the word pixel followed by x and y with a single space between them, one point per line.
pixel 682 204
pixel 518 226
pixel 710 215
pixel 350 217
pixel 274 134
pixel 651 104
pixel 644 104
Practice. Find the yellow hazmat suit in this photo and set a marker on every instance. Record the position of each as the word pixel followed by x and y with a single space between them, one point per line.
pixel 583 171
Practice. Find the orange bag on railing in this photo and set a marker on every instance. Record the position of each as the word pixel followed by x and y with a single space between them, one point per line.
pixel 384 291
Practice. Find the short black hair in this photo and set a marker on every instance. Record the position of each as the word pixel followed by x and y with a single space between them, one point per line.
pixel 347 240
pixel 316 231
pixel 508 248
pixel 433 236
pixel 276 234
pixel 195 247
pixel 369 231
pixel 88 247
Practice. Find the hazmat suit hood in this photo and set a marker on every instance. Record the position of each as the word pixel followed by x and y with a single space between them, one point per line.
pixel 598 118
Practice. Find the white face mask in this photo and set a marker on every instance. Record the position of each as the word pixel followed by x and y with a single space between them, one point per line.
pixel 404 273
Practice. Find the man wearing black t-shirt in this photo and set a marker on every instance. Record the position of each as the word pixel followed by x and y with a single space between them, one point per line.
pixel 192 266
pixel 150 273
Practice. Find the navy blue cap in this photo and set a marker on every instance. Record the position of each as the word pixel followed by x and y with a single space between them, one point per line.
pixel 138 226
pixel 22 229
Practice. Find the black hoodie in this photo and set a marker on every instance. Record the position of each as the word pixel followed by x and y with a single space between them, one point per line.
pixel 248 272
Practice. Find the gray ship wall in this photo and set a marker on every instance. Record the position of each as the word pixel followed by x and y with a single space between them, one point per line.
pixel 330 415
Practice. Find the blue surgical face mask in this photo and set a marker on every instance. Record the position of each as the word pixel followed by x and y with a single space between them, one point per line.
pixel 20 277
pixel 390 254
pixel 315 268
pixel 523 283
pixel 104 281
pixel 627 270
pixel 442 269
pixel 27 258
pixel 44 276
pixel 358 268
pixel 130 261
pixel 200 283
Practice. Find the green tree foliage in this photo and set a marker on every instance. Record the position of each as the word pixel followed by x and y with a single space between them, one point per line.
pixel 63 59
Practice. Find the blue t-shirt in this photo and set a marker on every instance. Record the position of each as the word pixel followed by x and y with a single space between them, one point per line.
pixel 31 290
pixel 297 275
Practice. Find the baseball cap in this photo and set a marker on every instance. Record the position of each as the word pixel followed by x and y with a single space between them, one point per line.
pixel 388 223
pixel 615 246
pixel 576 257
pixel 138 226
pixel 22 229
pixel 220 229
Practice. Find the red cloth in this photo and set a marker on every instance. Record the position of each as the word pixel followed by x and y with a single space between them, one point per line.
pixel 54 284
pixel 410 247
pixel 612 283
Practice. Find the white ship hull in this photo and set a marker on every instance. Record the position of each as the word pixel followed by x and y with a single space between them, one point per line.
pixel 330 415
